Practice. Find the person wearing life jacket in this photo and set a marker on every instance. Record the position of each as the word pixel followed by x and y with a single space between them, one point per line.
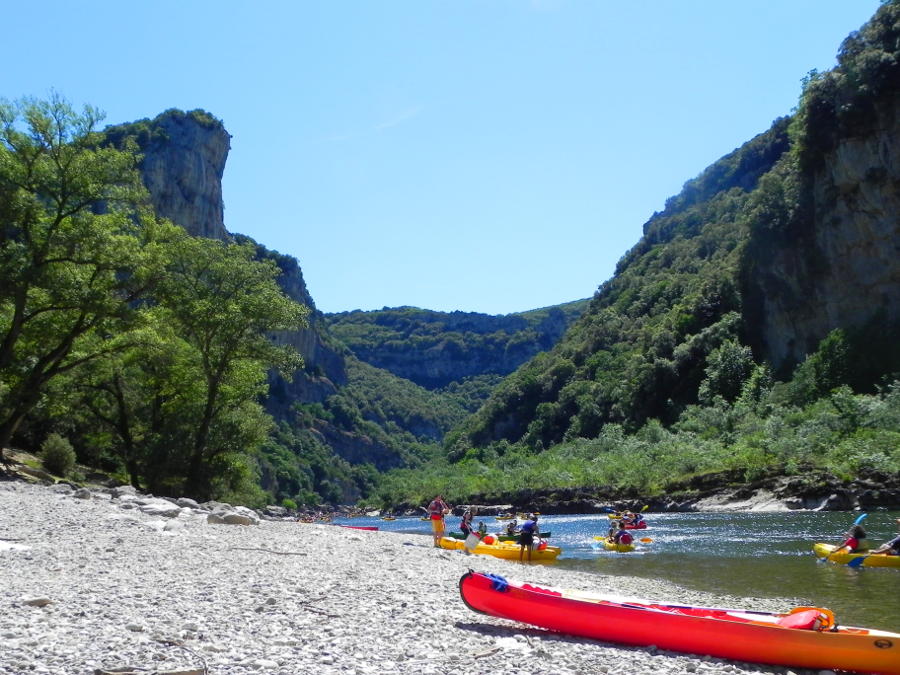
pixel 437 509
pixel 466 524
pixel 622 536
pixel 527 533
pixel 854 541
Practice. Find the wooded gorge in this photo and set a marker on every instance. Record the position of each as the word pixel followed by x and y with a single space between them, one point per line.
pixel 752 331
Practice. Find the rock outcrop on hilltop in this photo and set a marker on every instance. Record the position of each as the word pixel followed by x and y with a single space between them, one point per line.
pixel 183 160
pixel 182 168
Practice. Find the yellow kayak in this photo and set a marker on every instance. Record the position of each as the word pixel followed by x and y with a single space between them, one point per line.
pixel 607 545
pixel 868 560
pixel 503 549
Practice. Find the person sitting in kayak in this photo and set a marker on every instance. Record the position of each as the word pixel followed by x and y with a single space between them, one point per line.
pixel 437 509
pixel 526 536
pixel 512 526
pixel 854 541
pixel 466 524
pixel 622 536
pixel 891 547
pixel 627 518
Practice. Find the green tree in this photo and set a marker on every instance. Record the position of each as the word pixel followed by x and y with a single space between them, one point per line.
pixel 728 367
pixel 224 305
pixel 78 248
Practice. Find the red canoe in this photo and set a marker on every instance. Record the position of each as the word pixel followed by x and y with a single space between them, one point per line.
pixel 803 638
pixel 371 528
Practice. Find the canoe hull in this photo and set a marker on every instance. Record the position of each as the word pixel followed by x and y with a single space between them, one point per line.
pixel 504 549
pixel 609 546
pixel 718 633
pixel 501 537
pixel 825 550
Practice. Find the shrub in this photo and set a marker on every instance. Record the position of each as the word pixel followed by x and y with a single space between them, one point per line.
pixel 57 455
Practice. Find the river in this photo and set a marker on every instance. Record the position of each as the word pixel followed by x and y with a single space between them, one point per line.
pixel 748 554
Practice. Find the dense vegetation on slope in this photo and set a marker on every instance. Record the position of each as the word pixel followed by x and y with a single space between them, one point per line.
pixel 147 347
pixel 640 350
pixel 435 349
pixel 658 380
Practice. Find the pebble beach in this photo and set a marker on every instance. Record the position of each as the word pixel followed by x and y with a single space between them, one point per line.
pixel 98 581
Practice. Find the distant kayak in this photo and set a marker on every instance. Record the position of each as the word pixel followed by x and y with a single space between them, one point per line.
pixel 636 526
pixel 868 560
pixel 503 549
pixel 805 637
pixel 370 528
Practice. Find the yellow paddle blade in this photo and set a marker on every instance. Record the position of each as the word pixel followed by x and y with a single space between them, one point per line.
pixel 647 540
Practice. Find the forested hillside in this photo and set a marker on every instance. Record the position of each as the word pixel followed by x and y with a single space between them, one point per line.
pixel 727 339
pixel 435 349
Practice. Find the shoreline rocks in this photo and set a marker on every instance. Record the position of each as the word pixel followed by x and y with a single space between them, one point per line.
pixel 95 586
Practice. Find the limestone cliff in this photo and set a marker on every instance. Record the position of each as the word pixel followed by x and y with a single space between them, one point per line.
pixel 845 271
pixel 183 159
pixel 832 258
pixel 434 349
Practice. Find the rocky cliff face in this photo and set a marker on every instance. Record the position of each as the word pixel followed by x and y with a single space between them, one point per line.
pixel 184 157
pixel 844 270
pixel 434 349
pixel 830 258
pixel 182 168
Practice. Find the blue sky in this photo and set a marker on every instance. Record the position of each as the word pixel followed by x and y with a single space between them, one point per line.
pixel 478 155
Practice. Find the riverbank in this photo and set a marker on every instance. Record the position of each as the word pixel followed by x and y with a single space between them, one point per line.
pixel 99 583
pixel 811 491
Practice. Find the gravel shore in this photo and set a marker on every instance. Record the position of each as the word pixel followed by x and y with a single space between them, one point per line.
pixel 95 585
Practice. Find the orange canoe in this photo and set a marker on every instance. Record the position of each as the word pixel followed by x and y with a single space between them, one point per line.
pixel 804 638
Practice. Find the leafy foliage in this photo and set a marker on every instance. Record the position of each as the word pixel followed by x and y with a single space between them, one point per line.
pixel 57 455
pixel 149 346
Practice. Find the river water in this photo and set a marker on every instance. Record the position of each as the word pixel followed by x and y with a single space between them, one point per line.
pixel 748 554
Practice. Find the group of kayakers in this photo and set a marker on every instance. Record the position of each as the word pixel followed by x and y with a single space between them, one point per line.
pixel 526 533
